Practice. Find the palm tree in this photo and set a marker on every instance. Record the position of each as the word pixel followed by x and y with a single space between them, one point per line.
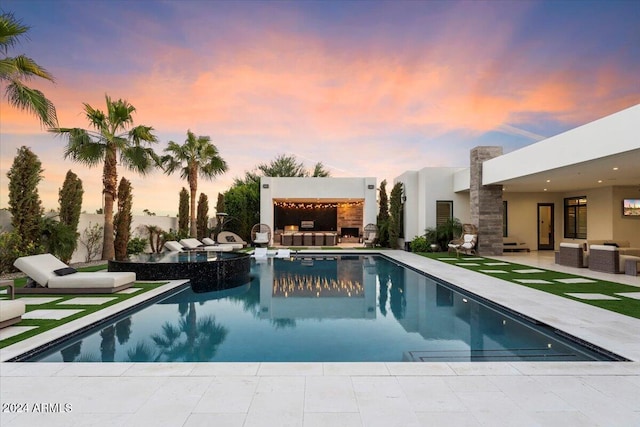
pixel 15 70
pixel 196 157
pixel 109 139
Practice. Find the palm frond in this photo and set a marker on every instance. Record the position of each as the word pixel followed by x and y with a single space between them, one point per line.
pixel 96 117
pixel 33 101
pixel 81 147
pixel 142 134
pixel 138 159
pixel 11 30
pixel 27 68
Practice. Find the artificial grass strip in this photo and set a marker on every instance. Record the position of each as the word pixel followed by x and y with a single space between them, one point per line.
pixel 48 324
pixel 627 306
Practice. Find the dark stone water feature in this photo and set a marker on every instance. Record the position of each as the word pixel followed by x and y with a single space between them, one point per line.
pixel 206 270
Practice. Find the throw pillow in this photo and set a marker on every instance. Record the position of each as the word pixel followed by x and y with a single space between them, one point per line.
pixel 65 271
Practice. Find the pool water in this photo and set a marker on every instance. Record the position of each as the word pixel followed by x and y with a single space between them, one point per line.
pixel 319 309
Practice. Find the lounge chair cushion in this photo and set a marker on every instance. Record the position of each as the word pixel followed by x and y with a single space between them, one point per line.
pixel 173 246
pixel 39 267
pixel 208 241
pixel 98 279
pixel 262 237
pixel 191 243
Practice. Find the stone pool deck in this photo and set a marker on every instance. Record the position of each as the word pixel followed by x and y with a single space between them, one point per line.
pixel 352 394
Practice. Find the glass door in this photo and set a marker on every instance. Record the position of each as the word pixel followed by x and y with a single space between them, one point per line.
pixel 545 226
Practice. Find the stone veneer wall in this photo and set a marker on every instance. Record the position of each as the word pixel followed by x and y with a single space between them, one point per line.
pixel 486 204
pixel 350 216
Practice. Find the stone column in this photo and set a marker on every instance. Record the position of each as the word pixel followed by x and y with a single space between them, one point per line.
pixel 486 204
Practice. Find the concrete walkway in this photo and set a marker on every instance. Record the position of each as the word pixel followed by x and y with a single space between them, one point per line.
pixel 352 394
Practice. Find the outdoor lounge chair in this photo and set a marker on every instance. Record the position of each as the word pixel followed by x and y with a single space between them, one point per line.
pixel 173 246
pixel 192 244
pixel 283 253
pixel 261 234
pixel 259 253
pixel 230 238
pixel 467 242
pixel 370 235
pixel 56 277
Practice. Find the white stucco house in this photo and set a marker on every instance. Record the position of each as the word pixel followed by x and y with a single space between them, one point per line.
pixel 570 187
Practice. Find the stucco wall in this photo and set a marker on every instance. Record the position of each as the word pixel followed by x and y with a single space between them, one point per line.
pixel 166 223
pixel 423 188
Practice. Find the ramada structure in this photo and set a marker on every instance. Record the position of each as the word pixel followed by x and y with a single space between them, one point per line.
pixel 570 187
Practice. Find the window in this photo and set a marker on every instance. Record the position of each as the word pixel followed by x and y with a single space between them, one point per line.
pixel 575 217
pixel 505 228
pixel 444 211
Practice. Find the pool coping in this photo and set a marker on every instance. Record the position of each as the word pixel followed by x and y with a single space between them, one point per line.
pixel 611 331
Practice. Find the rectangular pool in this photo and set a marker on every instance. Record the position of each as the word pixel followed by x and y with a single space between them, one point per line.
pixel 347 308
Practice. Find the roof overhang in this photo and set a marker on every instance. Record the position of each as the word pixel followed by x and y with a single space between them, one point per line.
pixel 605 152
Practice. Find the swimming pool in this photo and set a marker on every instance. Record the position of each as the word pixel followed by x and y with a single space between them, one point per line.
pixel 319 309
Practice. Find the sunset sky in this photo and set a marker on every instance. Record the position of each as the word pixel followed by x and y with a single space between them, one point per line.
pixel 368 88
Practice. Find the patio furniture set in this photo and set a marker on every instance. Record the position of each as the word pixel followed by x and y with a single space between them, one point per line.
pixel 608 256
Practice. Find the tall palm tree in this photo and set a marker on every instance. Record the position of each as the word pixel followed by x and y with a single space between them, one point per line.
pixel 15 70
pixel 111 138
pixel 196 157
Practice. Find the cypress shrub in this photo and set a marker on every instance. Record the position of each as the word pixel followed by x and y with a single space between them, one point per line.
pixel 122 220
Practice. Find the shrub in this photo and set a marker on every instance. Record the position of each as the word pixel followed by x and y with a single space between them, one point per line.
pixel 92 240
pixel 58 238
pixel 122 220
pixel 136 245
pixel 12 247
pixel 419 244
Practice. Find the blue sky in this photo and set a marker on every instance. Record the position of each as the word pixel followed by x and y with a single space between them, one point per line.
pixel 369 88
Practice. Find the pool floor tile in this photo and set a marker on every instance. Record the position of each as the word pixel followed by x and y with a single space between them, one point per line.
pixel 56 314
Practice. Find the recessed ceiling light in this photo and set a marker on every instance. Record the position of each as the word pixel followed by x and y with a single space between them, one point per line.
pixel 545 189
pixel 548 180
pixel 615 169
pixel 599 181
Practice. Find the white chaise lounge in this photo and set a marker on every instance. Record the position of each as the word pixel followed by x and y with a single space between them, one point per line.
pixel 196 245
pixel 54 276
pixel 173 246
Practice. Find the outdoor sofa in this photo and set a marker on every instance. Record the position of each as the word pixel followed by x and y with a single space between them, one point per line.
pixel 610 258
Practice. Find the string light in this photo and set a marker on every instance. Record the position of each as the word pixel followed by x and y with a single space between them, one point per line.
pixel 306 205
